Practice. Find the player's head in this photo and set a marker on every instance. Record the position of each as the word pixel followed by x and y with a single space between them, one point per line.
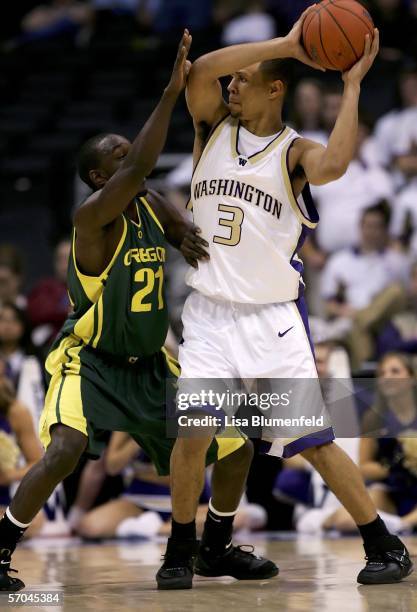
pixel 100 157
pixel 374 226
pixel 259 89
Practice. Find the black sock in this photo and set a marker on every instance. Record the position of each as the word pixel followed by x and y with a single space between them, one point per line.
pixel 373 530
pixel 10 534
pixel 217 534
pixel 183 531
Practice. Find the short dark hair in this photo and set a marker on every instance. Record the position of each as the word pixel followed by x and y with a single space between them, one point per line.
pixel 89 158
pixel 278 70
pixel 381 208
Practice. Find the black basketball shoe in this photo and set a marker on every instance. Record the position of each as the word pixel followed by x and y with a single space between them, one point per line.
pixel 177 569
pixel 7 583
pixel 387 561
pixel 236 562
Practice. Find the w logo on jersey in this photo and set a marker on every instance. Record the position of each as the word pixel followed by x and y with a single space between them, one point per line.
pixel 242 161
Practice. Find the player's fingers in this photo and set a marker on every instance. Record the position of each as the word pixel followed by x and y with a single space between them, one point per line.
pixel 375 42
pixel 187 67
pixel 201 241
pixel 192 262
pixel 367 49
pixel 307 60
pixel 306 12
pixel 196 251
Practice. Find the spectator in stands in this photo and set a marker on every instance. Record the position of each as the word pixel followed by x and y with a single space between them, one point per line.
pixel 252 24
pixel 396 131
pixel 57 18
pixel 48 302
pixel 363 285
pixel 401 333
pixel 388 458
pixel 21 367
pixel 342 202
pixel 11 276
pixel 144 509
pixel 17 440
pixel 307 108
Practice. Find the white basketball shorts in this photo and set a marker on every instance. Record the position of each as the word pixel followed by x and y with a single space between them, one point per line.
pixel 227 341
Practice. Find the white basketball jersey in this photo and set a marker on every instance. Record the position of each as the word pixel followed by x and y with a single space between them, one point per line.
pixel 247 211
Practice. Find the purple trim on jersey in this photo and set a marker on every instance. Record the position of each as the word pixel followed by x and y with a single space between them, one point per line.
pixel 301 304
pixel 309 441
pixel 312 212
pixel 4 490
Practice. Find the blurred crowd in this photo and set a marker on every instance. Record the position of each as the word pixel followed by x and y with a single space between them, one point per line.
pixel 361 284
pixel 239 20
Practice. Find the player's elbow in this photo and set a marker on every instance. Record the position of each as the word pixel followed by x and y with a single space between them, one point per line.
pixel 331 170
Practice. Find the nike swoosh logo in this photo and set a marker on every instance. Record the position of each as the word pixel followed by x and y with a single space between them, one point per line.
pixel 4 562
pixel 282 334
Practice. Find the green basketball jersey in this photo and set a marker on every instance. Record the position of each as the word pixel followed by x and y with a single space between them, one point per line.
pixel 123 311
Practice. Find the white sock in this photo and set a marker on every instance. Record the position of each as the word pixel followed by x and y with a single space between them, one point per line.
pixel 15 521
pixel 146 525
pixel 213 509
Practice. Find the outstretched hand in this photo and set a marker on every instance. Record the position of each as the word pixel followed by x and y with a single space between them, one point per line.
pixel 192 247
pixel 181 66
pixel 358 70
pixel 294 40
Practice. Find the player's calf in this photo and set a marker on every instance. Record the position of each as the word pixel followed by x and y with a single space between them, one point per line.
pixel 59 461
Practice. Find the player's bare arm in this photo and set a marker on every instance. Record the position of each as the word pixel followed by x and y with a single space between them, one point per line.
pixel 96 219
pixel 179 231
pixel 204 93
pixel 325 164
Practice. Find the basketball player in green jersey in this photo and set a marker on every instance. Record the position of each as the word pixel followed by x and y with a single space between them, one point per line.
pixel 107 369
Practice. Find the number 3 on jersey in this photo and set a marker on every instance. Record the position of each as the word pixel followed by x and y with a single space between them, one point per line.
pixel 147 276
pixel 234 223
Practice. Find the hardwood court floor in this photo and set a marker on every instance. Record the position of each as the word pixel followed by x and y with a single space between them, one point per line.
pixel 315 575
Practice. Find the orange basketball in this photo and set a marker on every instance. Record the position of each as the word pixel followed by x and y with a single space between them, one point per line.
pixel 334 33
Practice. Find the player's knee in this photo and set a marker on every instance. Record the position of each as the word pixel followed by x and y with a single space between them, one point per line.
pixel 192 447
pixel 64 452
pixel 240 459
pixel 318 455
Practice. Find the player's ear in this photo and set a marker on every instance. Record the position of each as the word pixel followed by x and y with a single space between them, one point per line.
pixel 97 178
pixel 276 89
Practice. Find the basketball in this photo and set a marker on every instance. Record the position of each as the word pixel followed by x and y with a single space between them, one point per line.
pixel 334 33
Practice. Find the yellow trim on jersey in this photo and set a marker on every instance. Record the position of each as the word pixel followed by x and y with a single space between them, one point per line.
pixel 253 159
pixel 93 285
pixel 63 402
pixel 99 321
pixel 57 358
pixel 84 327
pixel 172 363
pixel 227 445
pixel 288 187
pixel 152 213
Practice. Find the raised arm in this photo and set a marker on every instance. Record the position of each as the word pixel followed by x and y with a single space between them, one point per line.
pixel 107 204
pixel 204 92
pixel 324 164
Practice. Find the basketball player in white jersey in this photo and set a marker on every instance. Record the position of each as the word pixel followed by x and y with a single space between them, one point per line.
pixel 246 317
